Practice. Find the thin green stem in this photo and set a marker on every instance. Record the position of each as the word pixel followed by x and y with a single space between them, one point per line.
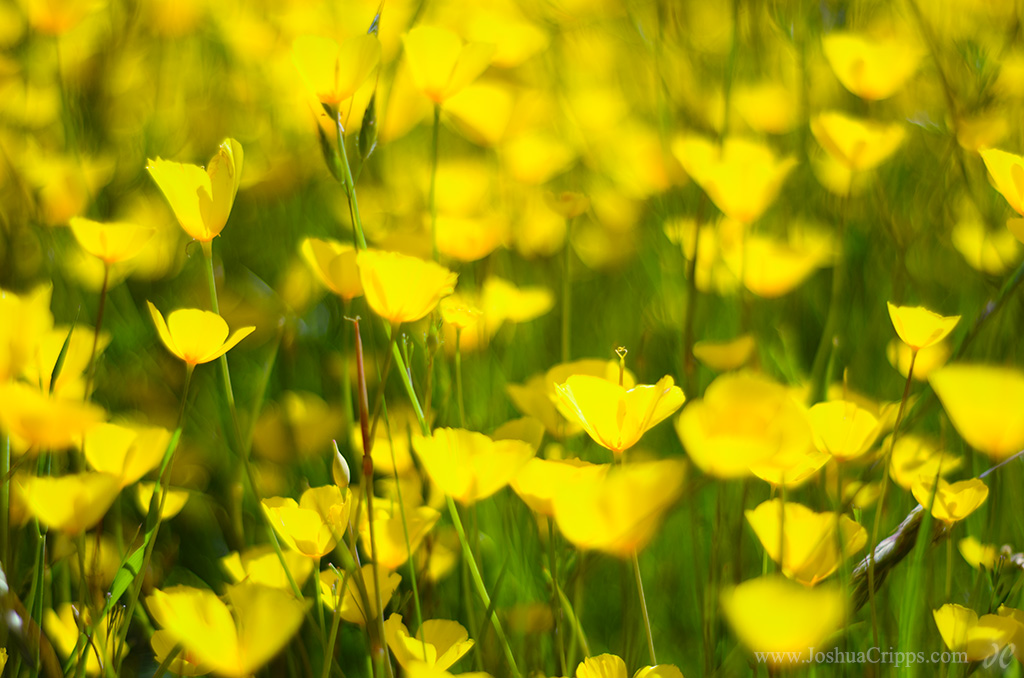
pixel 350 186
pixel 643 609
pixel 826 345
pixel 557 626
pixel 408 543
pixel 96 333
pixel 335 623
pixel 433 180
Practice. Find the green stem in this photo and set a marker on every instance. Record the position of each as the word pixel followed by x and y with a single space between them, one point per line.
pixel 350 186
pixel 96 332
pixel 433 180
pixel 558 631
pixel 819 371
pixel 335 623
pixel 643 609
pixel 408 543
pixel 690 312
pixel 320 607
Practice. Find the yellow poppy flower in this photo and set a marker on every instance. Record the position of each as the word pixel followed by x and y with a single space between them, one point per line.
pixel 24 321
pixel 612 666
pixel 927 361
pixel 40 423
pixel 1017 639
pixel 401 288
pixel 457 313
pixel 260 565
pixel 62 627
pixel 201 199
pixel 174 499
pixel 71 504
pixel 991 252
pixel 70 382
pixel 125 452
pixel 811 552
pixel 389 531
pixel 470 466
pixel 980 637
pixel 441 65
pixel 196 336
pixel 771 267
pixel 783 618
pixel 768 106
pixel 335 266
pixel 1006 171
pixel 439 643
pixel 914 457
pixel 953 501
pixel 300 424
pixel 920 328
pixel 502 300
pixel 842 429
pixel 860 145
pixel 470 238
pixel 312 525
pixel 351 600
pixel 185 664
pixel 985 404
pixel 618 512
pixel 792 467
pixel 233 640
pixel 332 71
pixel 870 67
pixel 526 429
pixel 540 480
pixel 567 204
pixel 616 417
pixel 723 356
pixel 979 556
pixel 111 243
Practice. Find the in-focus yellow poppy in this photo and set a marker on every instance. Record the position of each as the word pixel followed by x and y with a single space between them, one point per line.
pixel 261 565
pixel 71 504
pixel 334 264
pixel 439 642
pixel 350 599
pixel 870 67
pixel 469 466
pixel 234 639
pixel 953 501
pixel 400 288
pixel 811 551
pixel 980 637
pixel 196 336
pixel 860 145
pixel 39 423
pixel 783 618
pixel 201 198
pixel 125 452
pixel 441 65
pixel 313 525
pixel 843 429
pixel 985 404
pixel 614 416
pixel 920 328
pixel 332 71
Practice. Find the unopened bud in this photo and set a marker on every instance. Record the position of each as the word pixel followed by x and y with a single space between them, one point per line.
pixel 339 468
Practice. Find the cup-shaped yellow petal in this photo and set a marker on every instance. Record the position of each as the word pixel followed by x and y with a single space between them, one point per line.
pixel 953 501
pixel 260 565
pixel 334 264
pixel 859 145
pixel 24 320
pixel 927 361
pixel 616 417
pixel 469 466
pixel 332 71
pixel 870 67
pixel 439 643
pixel 201 199
pixel 811 550
pixel 980 637
pixel 196 336
pixel 540 480
pixel 621 511
pixel 174 499
pixel 1006 171
pixel 126 452
pixel 723 356
pixel 185 664
pixel 40 423
pixel 843 429
pixel 920 328
pixel 351 601
pixel 400 288
pixel 441 65
pixel 915 456
pixel 985 404
pixel 71 504
pixel 110 242
pixel 775 615
pixel 302 529
pixel 602 666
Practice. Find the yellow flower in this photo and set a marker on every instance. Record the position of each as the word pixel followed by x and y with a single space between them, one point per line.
pixel 260 565
pixel 612 666
pixel 185 664
pixel 979 556
pixel 45 424
pixel 401 288
pixel 470 238
pixel 991 252
pixel 232 641
pixel 771 267
pixel 351 600
pixel 742 177
pixel 870 67
pixel 458 313
pixel 843 429
pixel 174 499
pixel 963 631
pixel 333 71
pixel 470 466
pixel 953 501
pixel 70 382
pixel 439 643
pixel 111 243
pixel 723 356
pixel 24 321
pixel 567 204
pixel 312 525
pixel 62 627
pixel 616 417
pixel 441 65
pixel 618 512
pixel 985 404
pixel 196 336
pixel 811 552
pixel 792 467
pixel 775 615
pixel 540 480
pixel 201 199
pixel 927 361
pixel 125 452
pixel 920 328
pixel 914 457
pixel 71 504
pixel 335 266
pixel 300 424
pixel 389 531
pixel 1006 171
pixel 860 145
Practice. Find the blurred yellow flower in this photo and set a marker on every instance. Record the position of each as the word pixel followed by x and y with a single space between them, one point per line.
pixel 174 499
pixel 963 631
pixel 111 243
pixel 335 266
pixel 439 643
pixel 313 525
pixel 540 480
pixel 770 266
pixel 470 238
pixel 927 361
pixel 24 321
pixel 127 453
pixel 185 664
pixel 441 65
pixel 43 424
pixel 299 425
pixel 567 204
pixel 502 300
pixel 953 501
pixel 979 556
pixel 260 565
pixel 616 417
pixel 811 550
pixel 201 198
pixel 870 67
pixel 62 627
pixel 458 313
pixel 914 457
pixel 400 288
pixel 783 618
pixel 843 429
pixel 920 328
pixel 985 404
pixel 332 71
pixel 723 356
pixel 469 466
pixel 70 382
pixel 860 145
pixel 196 336
pixel 618 512
pixel 350 599
pixel 390 532
pixel 1006 171
pixel 71 504
pixel 991 252
pixel 233 639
